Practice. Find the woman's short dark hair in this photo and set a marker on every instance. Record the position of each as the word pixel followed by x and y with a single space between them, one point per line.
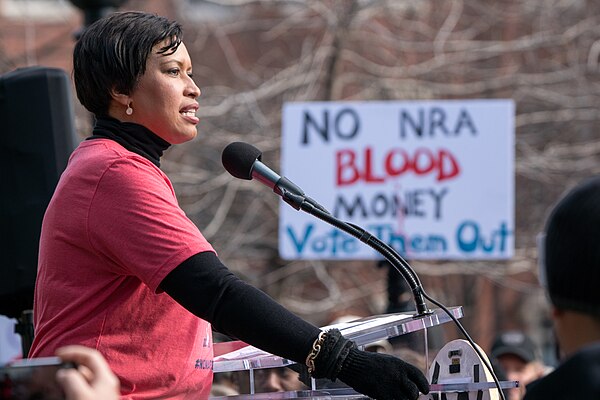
pixel 112 53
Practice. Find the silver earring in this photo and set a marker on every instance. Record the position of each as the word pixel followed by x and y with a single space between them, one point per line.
pixel 129 110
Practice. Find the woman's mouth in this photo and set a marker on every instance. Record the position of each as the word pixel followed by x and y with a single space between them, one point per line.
pixel 189 114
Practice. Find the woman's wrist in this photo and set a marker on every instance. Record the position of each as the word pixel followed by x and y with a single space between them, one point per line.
pixel 328 360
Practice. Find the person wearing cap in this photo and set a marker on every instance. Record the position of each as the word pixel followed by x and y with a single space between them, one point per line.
pixel 570 274
pixel 515 353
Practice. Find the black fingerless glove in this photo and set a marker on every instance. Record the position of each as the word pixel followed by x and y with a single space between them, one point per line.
pixel 380 376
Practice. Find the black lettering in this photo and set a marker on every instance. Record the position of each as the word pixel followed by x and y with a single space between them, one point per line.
pixel 341 206
pixel 406 122
pixel 437 119
pixel 354 126
pixel 464 119
pixel 322 130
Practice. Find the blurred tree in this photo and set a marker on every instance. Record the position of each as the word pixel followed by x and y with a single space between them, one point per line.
pixel 252 56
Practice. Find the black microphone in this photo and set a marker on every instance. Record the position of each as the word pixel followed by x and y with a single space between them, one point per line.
pixel 243 161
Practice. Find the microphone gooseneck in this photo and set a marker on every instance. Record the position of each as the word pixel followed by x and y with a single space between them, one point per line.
pixel 399 263
pixel 243 161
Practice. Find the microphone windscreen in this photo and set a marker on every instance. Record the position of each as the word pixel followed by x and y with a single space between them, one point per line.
pixel 238 159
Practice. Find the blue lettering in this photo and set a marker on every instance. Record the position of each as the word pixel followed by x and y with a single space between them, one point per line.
pixel 397 241
pixel 319 244
pixel 300 245
pixel 405 244
pixel 330 242
pixel 469 238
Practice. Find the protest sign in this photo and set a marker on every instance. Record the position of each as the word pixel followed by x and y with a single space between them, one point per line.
pixel 433 179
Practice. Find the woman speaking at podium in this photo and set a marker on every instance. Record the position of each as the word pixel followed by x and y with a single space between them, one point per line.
pixel 124 271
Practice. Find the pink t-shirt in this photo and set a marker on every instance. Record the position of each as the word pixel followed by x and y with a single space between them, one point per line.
pixel 112 231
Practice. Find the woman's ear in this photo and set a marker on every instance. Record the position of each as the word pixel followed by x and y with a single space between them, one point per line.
pixel 120 98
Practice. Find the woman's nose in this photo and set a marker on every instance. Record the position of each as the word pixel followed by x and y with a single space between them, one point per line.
pixel 192 89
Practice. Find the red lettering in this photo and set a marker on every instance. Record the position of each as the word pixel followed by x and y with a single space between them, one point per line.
pixel 390 162
pixel 423 161
pixel 396 162
pixel 369 177
pixel 448 166
pixel 345 166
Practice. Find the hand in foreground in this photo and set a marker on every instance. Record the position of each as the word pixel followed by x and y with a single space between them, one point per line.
pixel 91 380
pixel 380 376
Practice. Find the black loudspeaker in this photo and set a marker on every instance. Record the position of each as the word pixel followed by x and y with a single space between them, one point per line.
pixel 37 136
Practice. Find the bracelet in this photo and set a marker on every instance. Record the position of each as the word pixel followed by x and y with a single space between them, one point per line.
pixel 316 348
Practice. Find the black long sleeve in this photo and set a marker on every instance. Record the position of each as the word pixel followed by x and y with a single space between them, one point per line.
pixel 205 287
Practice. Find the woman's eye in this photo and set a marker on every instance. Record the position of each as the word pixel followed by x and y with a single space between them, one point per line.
pixel 174 71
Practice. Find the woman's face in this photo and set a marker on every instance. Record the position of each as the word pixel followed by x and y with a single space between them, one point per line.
pixel 164 99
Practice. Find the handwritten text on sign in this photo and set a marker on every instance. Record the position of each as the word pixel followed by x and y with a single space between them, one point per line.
pixel 433 179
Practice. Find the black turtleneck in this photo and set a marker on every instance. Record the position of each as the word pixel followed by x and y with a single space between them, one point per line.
pixel 133 137
pixel 206 287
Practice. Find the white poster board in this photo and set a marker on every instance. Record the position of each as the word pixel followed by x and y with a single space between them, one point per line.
pixel 433 179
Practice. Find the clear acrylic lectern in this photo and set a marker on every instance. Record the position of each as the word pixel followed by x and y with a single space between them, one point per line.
pixel 363 332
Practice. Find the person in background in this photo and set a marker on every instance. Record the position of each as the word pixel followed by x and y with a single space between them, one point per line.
pixel 281 379
pixel 224 384
pixel 569 259
pixel 92 379
pixel 123 270
pixel 515 353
